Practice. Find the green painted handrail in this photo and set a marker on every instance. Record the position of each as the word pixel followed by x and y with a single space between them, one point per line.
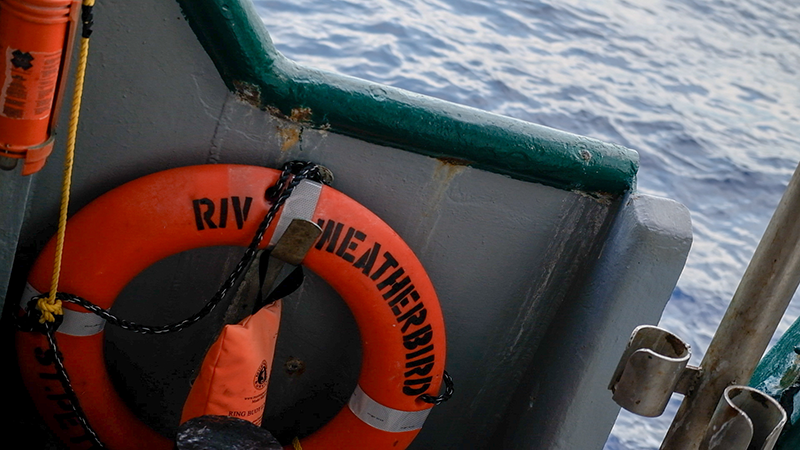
pixel 238 43
pixel 778 375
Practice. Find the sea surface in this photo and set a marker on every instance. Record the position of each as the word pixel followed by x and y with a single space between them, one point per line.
pixel 705 90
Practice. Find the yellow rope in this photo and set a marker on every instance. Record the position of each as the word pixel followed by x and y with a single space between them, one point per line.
pixel 50 305
pixel 296 444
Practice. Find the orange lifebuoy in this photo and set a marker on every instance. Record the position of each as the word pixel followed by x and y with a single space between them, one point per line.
pixel 131 227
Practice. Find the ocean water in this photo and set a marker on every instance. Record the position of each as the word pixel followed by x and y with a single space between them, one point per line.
pixel 705 90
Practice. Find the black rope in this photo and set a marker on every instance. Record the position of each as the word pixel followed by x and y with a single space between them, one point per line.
pixel 67 386
pixel 292 174
pixel 448 392
pixel 87 18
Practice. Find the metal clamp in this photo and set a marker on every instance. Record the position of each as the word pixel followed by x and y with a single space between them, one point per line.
pixel 745 418
pixel 295 241
pixel 654 365
pixel 290 250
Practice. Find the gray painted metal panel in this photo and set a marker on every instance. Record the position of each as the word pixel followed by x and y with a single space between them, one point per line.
pixel 14 190
pixel 564 402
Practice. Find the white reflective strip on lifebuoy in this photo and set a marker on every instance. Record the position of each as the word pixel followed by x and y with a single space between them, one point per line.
pixel 300 205
pixel 27 295
pixel 382 417
pixel 75 323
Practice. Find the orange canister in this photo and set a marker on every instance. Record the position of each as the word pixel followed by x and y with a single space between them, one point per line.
pixel 33 37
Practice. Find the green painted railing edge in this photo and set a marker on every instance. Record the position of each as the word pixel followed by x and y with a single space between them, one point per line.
pixel 778 370
pixel 238 43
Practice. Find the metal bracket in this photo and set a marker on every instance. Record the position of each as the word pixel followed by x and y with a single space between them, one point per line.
pixel 291 248
pixel 653 366
pixel 244 299
pixel 745 418
pixel 296 241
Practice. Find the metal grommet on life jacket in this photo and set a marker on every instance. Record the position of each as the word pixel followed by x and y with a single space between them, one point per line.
pixel 126 230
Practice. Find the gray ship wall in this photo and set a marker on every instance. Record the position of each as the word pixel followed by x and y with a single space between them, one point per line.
pixel 563 402
pixel 539 286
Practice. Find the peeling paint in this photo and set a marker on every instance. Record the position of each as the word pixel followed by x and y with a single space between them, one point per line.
pixel 290 136
pixel 446 160
pixel 604 198
pixel 292 132
pixel 301 115
pixel 447 170
pixel 248 93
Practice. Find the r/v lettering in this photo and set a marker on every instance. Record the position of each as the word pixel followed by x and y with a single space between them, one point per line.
pixel 211 215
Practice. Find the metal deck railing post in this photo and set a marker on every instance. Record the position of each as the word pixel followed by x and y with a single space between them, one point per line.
pixel 756 309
